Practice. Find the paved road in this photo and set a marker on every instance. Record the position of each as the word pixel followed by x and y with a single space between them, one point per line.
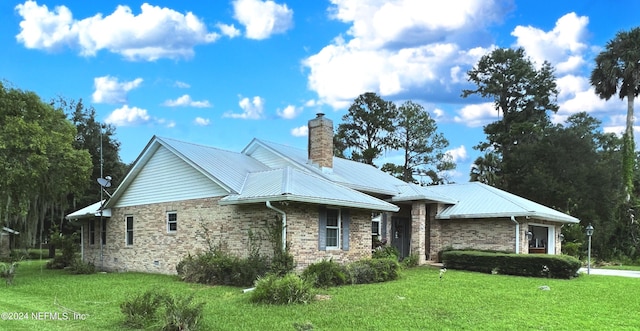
pixel 612 272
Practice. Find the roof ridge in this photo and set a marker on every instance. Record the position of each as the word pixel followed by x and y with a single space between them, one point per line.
pixel 196 144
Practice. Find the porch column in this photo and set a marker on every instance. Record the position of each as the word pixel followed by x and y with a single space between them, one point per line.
pixel 418 230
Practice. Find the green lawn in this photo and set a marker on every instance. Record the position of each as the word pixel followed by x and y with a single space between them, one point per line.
pixel 418 301
pixel 622 267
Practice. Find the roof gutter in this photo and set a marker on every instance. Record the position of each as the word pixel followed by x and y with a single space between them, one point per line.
pixel 513 218
pixel 284 224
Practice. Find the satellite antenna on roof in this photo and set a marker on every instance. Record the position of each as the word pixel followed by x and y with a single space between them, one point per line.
pixel 105 183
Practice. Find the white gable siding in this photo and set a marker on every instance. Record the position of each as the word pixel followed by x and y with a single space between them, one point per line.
pixel 269 159
pixel 166 177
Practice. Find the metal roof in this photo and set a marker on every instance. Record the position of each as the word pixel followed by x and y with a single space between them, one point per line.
pixel 290 184
pixel 413 192
pixel 91 210
pixel 478 200
pixel 356 175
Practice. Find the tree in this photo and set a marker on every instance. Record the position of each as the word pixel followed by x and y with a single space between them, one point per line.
pixel 423 147
pixel 99 140
pixel 617 71
pixel 523 94
pixel 486 169
pixel 367 129
pixel 40 165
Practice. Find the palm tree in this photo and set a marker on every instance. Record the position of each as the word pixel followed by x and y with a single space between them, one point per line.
pixel 617 71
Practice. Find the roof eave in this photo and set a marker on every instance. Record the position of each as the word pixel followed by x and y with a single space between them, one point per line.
pixel 541 216
pixel 384 206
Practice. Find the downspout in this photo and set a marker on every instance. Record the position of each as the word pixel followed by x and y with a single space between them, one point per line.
pixel 284 224
pixel 513 218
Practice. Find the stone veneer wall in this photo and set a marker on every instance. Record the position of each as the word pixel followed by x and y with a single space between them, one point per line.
pixel 154 250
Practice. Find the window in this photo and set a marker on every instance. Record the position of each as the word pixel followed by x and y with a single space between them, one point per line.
pixel 333 229
pixel 375 224
pixel 129 232
pixel 92 232
pixel 104 232
pixel 172 222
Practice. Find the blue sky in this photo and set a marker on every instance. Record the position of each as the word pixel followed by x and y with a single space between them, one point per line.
pixel 220 73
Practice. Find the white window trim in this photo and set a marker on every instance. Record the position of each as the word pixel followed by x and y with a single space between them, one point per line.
pixel 126 229
pixel 176 222
pixel 377 219
pixel 338 227
pixel 551 237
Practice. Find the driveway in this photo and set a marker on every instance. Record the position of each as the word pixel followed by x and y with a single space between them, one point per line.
pixel 612 272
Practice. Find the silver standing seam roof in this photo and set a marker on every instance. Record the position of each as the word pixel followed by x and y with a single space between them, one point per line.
pixel 478 200
pixel 247 180
pixel 348 183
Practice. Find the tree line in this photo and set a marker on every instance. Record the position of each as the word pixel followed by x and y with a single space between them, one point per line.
pixel 50 156
pixel 573 167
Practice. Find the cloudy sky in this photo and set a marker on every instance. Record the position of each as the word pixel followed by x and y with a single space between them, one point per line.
pixel 223 72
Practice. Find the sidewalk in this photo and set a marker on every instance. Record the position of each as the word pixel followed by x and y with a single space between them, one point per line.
pixel 611 272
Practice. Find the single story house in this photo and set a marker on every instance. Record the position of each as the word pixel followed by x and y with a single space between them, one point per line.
pixel 180 197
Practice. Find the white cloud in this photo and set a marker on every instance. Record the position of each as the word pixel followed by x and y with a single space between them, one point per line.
pixel 289 112
pixel 300 131
pixel 202 121
pixel 458 154
pixel 261 19
pixel 180 84
pixel 562 47
pixel 477 114
pixel 186 101
pixel 575 94
pixel 109 90
pixel 228 30
pixel 126 116
pixel 252 109
pixel 152 34
pixel 400 47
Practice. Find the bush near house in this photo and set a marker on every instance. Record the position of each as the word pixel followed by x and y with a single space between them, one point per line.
pixel 327 273
pixel 538 265
pixel 219 268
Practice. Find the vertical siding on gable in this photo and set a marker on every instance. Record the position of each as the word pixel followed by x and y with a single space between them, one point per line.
pixel 166 177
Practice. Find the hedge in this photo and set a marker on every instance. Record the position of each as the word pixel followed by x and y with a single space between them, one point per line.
pixel 531 265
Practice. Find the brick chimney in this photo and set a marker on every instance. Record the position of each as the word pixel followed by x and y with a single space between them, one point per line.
pixel 321 141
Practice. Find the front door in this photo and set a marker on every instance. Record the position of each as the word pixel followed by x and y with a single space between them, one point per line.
pixel 401 235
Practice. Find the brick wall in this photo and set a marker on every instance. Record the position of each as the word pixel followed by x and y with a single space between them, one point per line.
pixel 490 234
pixel 154 250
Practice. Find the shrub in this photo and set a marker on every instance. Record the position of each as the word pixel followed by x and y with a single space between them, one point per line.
pixel 386 252
pixel 289 289
pixel 571 248
pixel 373 271
pixel 80 267
pixel 411 261
pixel 142 310
pixel 68 245
pixel 533 265
pixel 182 313
pixel 159 310
pixel 325 274
pixel 218 268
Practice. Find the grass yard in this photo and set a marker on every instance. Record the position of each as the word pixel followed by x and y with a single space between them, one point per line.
pixel 418 301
